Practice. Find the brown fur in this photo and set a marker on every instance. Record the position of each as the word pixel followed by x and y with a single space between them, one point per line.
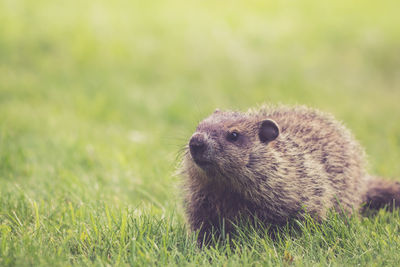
pixel 313 165
pixel 382 193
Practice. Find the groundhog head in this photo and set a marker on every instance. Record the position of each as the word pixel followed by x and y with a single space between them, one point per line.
pixel 226 144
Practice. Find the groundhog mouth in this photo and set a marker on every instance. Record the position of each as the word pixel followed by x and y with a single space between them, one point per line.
pixel 202 163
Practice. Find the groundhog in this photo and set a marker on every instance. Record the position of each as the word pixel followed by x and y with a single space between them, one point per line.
pixel 276 164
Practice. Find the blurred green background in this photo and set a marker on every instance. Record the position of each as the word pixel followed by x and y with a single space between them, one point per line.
pixel 98 97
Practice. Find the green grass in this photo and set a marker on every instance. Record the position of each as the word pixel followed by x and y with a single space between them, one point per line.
pixel 97 98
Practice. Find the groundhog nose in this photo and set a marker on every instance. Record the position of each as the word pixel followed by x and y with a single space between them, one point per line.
pixel 197 145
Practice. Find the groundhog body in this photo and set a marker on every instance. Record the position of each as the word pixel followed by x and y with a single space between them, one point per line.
pixel 275 163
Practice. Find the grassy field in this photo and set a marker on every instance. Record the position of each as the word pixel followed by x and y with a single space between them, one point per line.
pixel 97 98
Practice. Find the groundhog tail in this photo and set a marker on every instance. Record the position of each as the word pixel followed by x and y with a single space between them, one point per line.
pixel 382 193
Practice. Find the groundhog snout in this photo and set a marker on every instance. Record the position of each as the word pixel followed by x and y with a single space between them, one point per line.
pixel 197 144
pixel 198 147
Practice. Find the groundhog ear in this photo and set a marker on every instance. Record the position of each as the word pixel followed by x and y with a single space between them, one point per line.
pixel 217 110
pixel 269 131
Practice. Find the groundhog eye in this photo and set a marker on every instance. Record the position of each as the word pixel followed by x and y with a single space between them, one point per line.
pixel 233 136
